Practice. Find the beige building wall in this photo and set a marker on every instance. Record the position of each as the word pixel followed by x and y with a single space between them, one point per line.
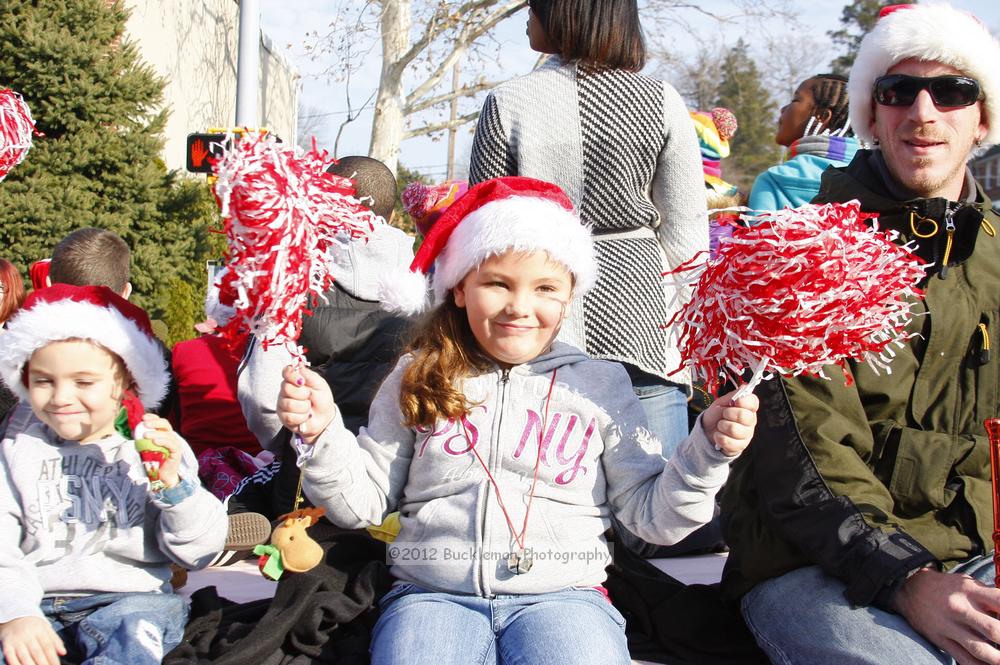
pixel 192 44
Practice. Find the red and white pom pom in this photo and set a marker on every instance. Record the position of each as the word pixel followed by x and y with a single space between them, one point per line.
pixel 802 288
pixel 16 128
pixel 281 213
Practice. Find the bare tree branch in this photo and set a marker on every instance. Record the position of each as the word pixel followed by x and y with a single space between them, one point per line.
pixel 464 91
pixel 351 117
pixel 440 126
pixel 469 33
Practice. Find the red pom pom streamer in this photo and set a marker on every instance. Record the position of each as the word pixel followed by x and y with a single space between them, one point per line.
pixel 16 128
pixel 801 289
pixel 281 215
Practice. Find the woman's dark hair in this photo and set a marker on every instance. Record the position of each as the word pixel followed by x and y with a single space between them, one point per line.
pixel 830 92
pixel 605 33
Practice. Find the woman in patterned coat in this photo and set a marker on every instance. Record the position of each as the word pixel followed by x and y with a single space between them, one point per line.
pixel 623 147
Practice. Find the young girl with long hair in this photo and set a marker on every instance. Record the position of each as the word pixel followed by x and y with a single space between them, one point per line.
pixel 505 451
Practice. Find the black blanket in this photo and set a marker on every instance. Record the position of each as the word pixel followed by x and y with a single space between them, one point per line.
pixel 670 622
pixel 324 615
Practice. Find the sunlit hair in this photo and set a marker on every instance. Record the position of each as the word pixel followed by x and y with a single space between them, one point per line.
pixel 11 290
pixel 91 257
pixel 444 352
pixel 374 183
pixel 605 33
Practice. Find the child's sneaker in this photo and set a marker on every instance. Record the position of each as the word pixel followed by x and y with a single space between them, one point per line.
pixel 246 531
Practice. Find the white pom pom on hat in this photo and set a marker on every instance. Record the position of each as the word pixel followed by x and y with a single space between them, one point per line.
pixel 93 313
pixel 932 32
pixel 511 213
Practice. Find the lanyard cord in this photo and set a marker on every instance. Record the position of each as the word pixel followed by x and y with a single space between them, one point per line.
pixel 519 539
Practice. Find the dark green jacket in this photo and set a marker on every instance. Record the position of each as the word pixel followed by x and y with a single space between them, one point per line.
pixel 875 479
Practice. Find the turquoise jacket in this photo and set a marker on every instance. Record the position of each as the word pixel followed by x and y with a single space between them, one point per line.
pixel 796 181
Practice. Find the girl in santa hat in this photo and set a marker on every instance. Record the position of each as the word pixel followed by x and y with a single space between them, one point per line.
pixel 90 519
pixel 505 451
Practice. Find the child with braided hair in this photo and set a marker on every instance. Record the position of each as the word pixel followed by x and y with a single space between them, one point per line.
pixel 815 129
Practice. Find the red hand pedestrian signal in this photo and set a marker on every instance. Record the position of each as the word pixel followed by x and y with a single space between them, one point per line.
pixel 198 153
pixel 202 149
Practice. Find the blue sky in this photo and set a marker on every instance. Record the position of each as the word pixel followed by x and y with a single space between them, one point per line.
pixel 288 23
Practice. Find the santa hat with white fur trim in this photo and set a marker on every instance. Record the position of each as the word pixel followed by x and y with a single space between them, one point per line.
pixel 511 213
pixel 93 313
pixel 930 32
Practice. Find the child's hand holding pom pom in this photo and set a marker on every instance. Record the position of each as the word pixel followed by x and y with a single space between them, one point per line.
pixel 729 425
pixel 305 403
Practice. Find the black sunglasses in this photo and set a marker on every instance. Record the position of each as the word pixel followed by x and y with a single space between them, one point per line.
pixel 950 90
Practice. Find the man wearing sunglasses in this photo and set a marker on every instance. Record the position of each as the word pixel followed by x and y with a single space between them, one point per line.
pixel 854 514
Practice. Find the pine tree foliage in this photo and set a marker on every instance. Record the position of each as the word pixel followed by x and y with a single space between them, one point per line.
pixel 741 90
pixel 856 20
pixel 98 162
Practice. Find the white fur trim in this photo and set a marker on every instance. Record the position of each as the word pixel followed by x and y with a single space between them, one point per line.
pixel 931 32
pixel 46 322
pixel 402 291
pixel 521 224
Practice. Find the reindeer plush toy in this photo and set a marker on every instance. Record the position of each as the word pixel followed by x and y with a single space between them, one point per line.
pixel 291 549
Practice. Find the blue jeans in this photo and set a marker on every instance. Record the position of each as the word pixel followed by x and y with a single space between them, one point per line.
pixel 578 626
pixel 803 617
pixel 665 404
pixel 119 628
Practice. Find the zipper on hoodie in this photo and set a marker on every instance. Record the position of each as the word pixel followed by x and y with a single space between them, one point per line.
pixel 949 226
pixel 503 382
pixel 984 349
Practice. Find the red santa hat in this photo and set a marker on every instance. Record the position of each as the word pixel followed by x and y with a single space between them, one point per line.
pixel 933 32
pixel 512 213
pixel 93 313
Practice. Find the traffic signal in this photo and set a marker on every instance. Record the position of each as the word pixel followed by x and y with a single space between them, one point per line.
pixel 201 147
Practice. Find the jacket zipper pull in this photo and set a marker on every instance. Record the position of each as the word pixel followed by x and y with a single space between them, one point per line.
pixel 984 352
pixel 504 375
pixel 949 225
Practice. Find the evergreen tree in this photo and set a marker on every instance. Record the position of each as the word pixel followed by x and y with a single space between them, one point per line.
pixel 856 19
pixel 98 162
pixel 179 311
pixel 741 90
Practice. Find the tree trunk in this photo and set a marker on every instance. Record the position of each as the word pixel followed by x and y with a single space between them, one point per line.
pixel 387 126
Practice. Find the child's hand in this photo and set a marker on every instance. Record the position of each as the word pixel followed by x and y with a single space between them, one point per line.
pixel 30 641
pixel 162 434
pixel 305 404
pixel 730 426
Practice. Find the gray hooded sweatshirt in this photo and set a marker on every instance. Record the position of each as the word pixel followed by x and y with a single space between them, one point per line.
pixel 79 519
pixel 594 457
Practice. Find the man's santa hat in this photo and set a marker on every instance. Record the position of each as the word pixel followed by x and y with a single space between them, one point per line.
pixel 512 213
pixel 932 32
pixel 92 313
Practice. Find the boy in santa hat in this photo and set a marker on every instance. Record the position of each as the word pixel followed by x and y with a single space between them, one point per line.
pixel 86 536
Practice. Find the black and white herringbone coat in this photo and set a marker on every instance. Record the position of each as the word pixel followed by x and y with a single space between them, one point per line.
pixel 623 147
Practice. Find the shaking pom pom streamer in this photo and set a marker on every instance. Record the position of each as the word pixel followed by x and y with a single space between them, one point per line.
pixel 801 289
pixel 282 213
pixel 16 128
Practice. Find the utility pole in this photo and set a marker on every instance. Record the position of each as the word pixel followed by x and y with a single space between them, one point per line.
pixel 248 65
pixel 453 130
